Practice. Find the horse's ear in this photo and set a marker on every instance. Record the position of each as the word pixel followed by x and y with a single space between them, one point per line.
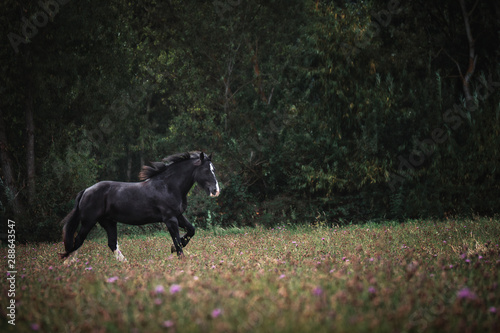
pixel 210 157
pixel 198 162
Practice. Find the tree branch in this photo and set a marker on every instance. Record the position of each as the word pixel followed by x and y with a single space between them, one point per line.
pixel 456 62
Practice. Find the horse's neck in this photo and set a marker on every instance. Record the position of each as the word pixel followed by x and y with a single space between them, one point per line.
pixel 179 177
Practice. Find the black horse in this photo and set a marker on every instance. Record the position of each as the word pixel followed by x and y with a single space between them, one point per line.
pixel 160 197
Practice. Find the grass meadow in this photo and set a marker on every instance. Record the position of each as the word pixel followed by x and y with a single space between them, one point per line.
pixel 417 276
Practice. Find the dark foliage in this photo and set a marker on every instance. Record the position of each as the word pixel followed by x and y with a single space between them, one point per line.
pixel 315 110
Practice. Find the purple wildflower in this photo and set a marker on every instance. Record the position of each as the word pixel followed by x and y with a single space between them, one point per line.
pixel 492 309
pixel 175 288
pixel 372 290
pixel 112 279
pixel 216 312
pixel 466 293
pixel 168 323
pixel 159 289
pixel 317 291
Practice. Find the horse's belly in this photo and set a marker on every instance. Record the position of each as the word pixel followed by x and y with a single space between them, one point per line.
pixel 131 203
pixel 133 213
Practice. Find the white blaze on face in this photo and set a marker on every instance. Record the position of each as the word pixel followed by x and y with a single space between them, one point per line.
pixel 216 182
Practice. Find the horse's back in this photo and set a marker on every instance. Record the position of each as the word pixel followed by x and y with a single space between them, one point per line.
pixel 95 199
pixel 126 202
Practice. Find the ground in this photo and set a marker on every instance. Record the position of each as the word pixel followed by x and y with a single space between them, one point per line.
pixel 411 277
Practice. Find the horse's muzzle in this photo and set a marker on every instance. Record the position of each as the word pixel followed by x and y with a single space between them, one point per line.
pixel 215 195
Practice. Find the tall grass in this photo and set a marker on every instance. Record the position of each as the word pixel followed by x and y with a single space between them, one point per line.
pixel 419 276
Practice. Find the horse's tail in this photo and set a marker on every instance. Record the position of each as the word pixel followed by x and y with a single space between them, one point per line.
pixel 71 222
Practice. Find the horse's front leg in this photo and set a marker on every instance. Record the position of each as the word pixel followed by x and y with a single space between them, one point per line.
pixel 184 224
pixel 173 229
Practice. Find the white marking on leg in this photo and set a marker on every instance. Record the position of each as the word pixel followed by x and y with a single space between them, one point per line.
pixel 119 255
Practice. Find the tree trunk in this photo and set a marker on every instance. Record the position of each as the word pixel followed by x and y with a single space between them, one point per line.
pixel 6 164
pixel 30 148
pixel 472 56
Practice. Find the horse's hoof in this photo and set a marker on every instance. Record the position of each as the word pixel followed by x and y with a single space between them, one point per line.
pixel 70 260
pixel 119 256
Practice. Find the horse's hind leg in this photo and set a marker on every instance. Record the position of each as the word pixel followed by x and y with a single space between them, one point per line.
pixel 111 231
pixel 110 227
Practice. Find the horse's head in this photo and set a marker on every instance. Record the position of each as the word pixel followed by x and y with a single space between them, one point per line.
pixel 204 175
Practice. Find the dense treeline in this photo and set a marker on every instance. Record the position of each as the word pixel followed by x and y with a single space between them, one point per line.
pixel 315 111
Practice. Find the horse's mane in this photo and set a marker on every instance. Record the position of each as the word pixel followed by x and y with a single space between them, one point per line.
pixel 156 168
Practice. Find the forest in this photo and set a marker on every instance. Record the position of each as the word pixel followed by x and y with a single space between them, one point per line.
pixel 315 112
